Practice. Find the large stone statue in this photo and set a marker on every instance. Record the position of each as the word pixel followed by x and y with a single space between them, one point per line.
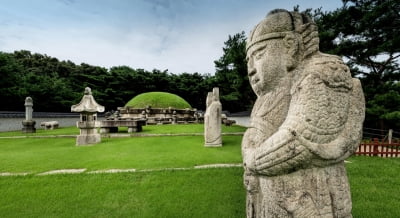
pixel 307 119
pixel 212 120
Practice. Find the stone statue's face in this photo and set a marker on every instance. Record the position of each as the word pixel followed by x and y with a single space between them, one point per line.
pixel 266 65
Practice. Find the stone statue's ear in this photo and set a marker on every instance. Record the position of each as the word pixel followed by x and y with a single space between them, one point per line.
pixel 292 45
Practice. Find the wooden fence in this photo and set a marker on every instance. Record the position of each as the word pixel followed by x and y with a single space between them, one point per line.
pixel 379 149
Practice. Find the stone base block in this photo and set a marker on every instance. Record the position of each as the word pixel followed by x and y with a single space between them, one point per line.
pixel 28 126
pixel 104 130
pixel 50 125
pixel 212 145
pixel 132 129
pixel 88 139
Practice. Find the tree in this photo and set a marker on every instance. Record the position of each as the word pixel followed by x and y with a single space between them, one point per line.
pixel 191 87
pixel 10 82
pixel 38 78
pixel 366 33
pixel 231 75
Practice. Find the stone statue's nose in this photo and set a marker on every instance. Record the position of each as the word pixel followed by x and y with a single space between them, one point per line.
pixel 252 71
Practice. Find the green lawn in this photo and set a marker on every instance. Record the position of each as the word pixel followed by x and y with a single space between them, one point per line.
pixel 174 193
pixel 72 130
pixel 193 193
pixel 187 128
pixel 149 129
pixel 42 154
pixel 374 183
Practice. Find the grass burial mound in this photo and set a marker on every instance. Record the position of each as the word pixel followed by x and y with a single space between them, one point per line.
pixel 158 100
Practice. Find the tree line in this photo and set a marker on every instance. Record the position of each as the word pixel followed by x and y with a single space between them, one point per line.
pixel 364 32
pixel 56 85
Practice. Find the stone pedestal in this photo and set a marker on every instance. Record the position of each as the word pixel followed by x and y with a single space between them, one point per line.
pixel 88 134
pixel 88 139
pixel 28 126
pixel 132 129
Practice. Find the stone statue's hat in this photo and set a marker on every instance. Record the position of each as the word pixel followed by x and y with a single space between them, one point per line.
pixel 279 23
pixel 87 104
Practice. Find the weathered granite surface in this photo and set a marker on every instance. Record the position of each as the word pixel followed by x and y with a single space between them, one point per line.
pixel 155 116
pixel 88 108
pixel 212 120
pixel 50 125
pixel 28 125
pixel 306 120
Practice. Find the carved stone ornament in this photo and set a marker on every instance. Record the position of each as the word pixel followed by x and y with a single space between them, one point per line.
pixel 87 104
pixel 306 121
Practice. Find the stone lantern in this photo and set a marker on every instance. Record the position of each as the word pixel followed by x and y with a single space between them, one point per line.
pixel 88 109
pixel 28 124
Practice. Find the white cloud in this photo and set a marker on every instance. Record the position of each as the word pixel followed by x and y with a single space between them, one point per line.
pixel 181 36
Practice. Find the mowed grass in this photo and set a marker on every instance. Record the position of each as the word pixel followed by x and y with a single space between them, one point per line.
pixel 165 193
pixel 149 129
pixel 42 154
pixel 187 128
pixel 374 183
pixel 192 193
pixel 71 130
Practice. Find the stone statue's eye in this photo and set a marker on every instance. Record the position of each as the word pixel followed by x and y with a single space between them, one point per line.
pixel 258 54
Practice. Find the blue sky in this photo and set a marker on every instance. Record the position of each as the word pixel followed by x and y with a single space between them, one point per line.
pixel 178 35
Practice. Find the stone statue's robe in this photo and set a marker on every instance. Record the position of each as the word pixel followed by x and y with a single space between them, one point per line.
pixel 298 137
pixel 212 123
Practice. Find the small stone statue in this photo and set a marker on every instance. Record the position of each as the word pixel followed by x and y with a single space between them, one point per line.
pixel 143 115
pixel 174 118
pixel 212 120
pixel 306 120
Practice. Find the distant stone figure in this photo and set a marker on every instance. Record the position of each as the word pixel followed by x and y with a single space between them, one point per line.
pixel 212 120
pixel 174 118
pixel 28 124
pixel 306 120
pixel 143 115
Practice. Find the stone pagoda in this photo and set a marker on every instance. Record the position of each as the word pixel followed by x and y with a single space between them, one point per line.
pixel 88 108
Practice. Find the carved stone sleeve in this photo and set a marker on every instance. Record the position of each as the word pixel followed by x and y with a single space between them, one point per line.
pixel 316 131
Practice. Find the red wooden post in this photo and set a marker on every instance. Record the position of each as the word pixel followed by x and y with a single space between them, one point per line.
pixel 375 146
